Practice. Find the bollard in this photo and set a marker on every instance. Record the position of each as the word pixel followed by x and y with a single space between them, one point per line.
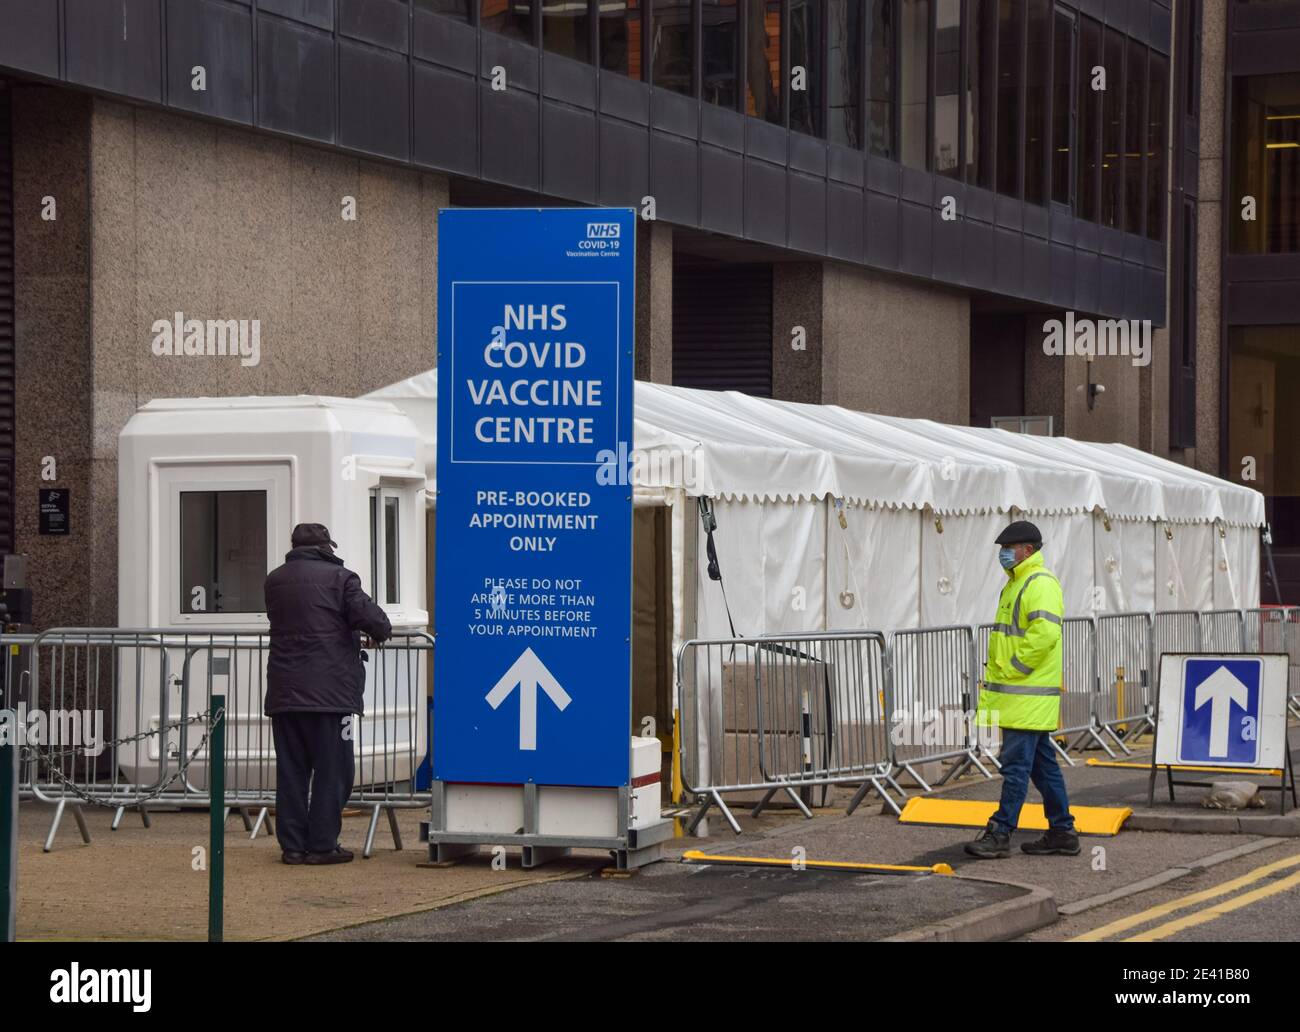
pixel 217 818
pixel 1119 697
pixel 8 823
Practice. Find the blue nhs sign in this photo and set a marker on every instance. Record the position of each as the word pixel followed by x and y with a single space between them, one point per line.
pixel 532 670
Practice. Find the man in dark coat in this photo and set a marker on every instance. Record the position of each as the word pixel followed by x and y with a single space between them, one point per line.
pixel 314 679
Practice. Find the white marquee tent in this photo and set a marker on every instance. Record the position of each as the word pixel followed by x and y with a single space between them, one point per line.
pixel 835 519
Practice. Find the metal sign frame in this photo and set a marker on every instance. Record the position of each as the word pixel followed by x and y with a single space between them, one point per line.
pixel 1285 774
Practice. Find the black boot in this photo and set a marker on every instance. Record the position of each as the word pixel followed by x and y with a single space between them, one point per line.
pixel 991 845
pixel 338 856
pixel 1066 843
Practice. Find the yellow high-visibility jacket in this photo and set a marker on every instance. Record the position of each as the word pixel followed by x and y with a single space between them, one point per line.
pixel 1022 679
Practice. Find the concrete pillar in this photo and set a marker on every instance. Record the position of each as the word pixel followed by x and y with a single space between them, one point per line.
pixel 1044 373
pixel 654 302
pixel 1209 215
pixel 894 346
pixel 53 343
pixel 797 331
pixel 1115 413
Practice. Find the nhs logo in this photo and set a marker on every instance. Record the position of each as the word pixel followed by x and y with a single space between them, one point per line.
pixel 602 230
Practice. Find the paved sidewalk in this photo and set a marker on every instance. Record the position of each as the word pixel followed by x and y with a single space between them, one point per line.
pixel 140 883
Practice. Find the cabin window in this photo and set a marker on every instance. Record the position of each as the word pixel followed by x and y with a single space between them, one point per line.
pixel 385 546
pixel 223 551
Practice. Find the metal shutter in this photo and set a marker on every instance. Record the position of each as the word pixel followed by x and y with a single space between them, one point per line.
pixel 722 325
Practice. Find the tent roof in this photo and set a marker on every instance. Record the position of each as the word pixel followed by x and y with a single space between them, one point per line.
pixel 724 444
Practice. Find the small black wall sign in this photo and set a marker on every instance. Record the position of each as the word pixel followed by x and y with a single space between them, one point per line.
pixel 54 510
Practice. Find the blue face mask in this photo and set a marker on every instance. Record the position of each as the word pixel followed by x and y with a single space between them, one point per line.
pixel 1007 557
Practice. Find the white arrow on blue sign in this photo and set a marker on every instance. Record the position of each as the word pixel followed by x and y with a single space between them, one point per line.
pixel 1220 711
pixel 529 673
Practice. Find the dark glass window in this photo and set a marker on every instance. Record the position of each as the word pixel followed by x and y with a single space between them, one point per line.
pixel 1036 101
pixel 670 46
pixel 881 35
pixel 1157 142
pixel 763 74
pixel 392 538
pixel 566 28
pixel 1263 423
pixel 1135 84
pixel 1112 112
pixel 1266 164
pixel 462 9
pixel 1089 119
pixel 805 54
pixel 947 87
pixel 981 67
pixel 620 36
pixel 513 18
pixel 222 551
pixel 844 70
pixel 1009 33
pixel 914 80
pixel 1062 106
pixel 720 41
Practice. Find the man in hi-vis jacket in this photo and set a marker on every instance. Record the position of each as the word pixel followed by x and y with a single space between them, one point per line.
pixel 1021 694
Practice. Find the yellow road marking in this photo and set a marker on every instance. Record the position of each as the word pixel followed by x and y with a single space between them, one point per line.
pixel 1218 910
pixel 1160 910
pixel 836 865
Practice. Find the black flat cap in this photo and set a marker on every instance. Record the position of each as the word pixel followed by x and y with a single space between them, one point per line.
pixel 1022 532
pixel 311 534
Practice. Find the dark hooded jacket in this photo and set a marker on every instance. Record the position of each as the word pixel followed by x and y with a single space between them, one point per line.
pixel 317 611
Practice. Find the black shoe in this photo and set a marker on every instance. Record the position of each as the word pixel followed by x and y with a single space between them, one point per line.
pixel 991 845
pixel 1066 843
pixel 293 856
pixel 338 856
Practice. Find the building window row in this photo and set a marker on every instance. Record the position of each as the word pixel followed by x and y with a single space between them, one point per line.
pixel 1025 97
pixel 1264 210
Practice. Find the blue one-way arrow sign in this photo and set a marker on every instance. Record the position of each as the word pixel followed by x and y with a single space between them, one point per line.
pixel 1220 711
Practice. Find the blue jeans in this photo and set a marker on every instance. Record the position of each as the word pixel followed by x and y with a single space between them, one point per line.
pixel 1028 756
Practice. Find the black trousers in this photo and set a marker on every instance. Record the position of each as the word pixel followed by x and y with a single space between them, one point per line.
pixel 314 769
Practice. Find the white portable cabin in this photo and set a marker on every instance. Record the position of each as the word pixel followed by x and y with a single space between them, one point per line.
pixel 208 492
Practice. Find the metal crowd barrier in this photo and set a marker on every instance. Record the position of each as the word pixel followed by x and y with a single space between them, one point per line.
pixel 1079 674
pixel 786 713
pixel 933 689
pixel 1176 630
pixel 1124 664
pixel 782 714
pixel 1081 699
pixel 1222 630
pixel 119 718
pixel 1291 636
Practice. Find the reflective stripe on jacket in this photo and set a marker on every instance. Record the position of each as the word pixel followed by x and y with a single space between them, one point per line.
pixel 1022 679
